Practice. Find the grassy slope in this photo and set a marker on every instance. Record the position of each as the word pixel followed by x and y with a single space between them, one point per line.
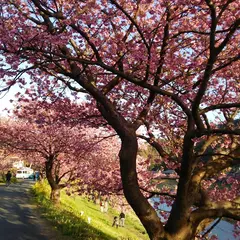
pixel 67 218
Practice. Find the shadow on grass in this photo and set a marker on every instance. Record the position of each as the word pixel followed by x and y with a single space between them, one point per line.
pixel 67 221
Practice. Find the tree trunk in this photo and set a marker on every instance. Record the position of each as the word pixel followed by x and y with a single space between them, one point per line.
pixel 55 195
pixel 180 227
pixel 185 233
pixel 135 198
pixel 55 189
pixel 180 213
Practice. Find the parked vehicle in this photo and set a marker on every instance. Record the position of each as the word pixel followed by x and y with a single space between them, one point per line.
pixel 24 173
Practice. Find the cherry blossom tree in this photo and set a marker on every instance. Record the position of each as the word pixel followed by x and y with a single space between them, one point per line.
pixel 43 134
pixel 5 162
pixel 169 66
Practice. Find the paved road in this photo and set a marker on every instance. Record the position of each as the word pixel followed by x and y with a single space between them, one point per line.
pixel 19 219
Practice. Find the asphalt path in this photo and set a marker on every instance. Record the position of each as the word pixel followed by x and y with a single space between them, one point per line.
pixel 19 219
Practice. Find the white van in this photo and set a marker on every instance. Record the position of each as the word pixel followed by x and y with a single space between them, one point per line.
pixel 24 173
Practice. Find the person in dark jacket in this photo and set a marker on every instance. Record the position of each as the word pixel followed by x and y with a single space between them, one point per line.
pixel 8 178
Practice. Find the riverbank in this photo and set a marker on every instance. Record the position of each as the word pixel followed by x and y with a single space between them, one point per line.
pixel 72 216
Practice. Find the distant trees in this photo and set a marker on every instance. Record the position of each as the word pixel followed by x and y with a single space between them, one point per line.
pixel 64 148
pixel 5 161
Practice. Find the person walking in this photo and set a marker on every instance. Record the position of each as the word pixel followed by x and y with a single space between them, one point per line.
pixel 121 219
pixel 8 178
pixel 115 222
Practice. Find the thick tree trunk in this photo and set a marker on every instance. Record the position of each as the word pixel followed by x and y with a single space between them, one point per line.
pixel 185 233
pixel 55 195
pixel 55 189
pixel 180 213
pixel 138 202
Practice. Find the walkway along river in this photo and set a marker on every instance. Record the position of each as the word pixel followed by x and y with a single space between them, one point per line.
pixel 19 219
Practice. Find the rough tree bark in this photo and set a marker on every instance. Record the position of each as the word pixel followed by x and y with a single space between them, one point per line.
pixel 135 198
pixel 55 189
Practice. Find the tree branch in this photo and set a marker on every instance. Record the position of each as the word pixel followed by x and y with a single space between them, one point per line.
pixel 212 227
pixel 202 213
pixel 133 22
pixel 233 28
pixel 209 132
pixel 158 193
pixel 220 106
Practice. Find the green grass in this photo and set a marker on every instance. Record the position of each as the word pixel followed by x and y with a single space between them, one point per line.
pixel 66 217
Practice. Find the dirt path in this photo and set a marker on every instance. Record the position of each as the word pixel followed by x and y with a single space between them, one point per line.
pixel 19 219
